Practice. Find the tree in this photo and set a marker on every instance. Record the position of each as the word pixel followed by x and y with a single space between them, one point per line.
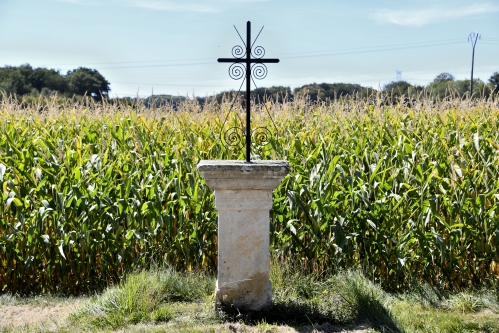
pixel 14 80
pixel 50 79
pixel 88 81
pixel 399 88
pixel 274 93
pixel 26 80
pixel 445 85
pixel 441 88
pixel 494 82
pixel 444 77
pixel 479 88
pixel 326 91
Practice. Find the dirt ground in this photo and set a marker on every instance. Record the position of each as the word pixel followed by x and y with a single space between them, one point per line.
pixel 20 315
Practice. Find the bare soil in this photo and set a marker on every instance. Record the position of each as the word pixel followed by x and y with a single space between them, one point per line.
pixel 29 314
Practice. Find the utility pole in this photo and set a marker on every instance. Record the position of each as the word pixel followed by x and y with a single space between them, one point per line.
pixel 473 38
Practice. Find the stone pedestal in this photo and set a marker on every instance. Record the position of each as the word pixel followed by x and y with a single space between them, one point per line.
pixel 243 199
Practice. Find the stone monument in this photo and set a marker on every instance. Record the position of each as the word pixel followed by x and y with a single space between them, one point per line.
pixel 243 199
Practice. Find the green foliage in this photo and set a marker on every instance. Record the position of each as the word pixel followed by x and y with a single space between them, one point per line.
pixel 43 79
pixel 99 206
pixel 402 88
pixel 444 77
pixel 301 298
pixel 143 297
pixel 320 301
pixel 494 82
pixel 276 94
pixel 15 80
pixel 402 194
pixel 441 88
pixel 325 91
pixel 86 81
pixel 25 80
pixel 405 194
pixel 157 101
pixel 444 85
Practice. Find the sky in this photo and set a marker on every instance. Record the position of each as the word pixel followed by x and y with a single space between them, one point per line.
pixel 172 46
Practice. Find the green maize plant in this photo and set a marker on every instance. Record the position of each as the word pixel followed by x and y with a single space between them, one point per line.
pixel 85 200
pixel 92 191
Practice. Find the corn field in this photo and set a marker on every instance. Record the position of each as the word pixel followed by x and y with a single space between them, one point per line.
pixel 91 191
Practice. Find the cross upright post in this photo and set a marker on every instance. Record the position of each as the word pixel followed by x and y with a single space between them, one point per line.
pixel 249 61
pixel 248 91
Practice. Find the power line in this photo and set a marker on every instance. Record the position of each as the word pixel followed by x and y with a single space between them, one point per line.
pixel 381 46
pixel 167 84
pixel 295 55
pixel 164 65
pixel 136 62
pixel 334 53
pixel 381 49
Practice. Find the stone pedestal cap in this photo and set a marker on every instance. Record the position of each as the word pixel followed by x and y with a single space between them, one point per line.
pixel 241 175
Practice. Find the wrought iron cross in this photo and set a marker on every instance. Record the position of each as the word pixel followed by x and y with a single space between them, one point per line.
pixel 259 52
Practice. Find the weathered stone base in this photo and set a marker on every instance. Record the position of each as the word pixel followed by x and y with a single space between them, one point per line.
pixel 253 295
pixel 243 199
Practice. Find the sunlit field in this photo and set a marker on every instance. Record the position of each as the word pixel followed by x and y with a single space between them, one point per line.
pixel 406 193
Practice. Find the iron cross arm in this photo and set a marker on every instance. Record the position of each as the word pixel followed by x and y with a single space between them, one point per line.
pixel 256 61
pixel 248 61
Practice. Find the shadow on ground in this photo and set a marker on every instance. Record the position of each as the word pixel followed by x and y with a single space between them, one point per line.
pixel 304 316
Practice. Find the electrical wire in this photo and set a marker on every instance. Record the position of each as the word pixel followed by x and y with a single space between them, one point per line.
pixel 137 62
pixel 167 84
pixel 164 65
pixel 368 51
pixel 307 54
pixel 384 46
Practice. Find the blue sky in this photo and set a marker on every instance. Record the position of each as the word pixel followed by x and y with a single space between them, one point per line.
pixel 171 47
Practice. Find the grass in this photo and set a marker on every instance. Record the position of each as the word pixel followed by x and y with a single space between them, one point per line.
pixel 164 300
pixel 144 297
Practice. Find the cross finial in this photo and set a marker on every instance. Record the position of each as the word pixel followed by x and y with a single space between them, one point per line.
pixel 256 65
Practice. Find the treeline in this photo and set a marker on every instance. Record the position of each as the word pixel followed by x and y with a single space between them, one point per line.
pixel 445 85
pixel 279 94
pixel 31 83
pixel 25 80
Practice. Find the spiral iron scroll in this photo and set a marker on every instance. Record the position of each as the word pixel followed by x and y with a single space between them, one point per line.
pixel 259 71
pixel 258 52
pixel 238 52
pixel 237 71
pixel 232 137
pixel 260 137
